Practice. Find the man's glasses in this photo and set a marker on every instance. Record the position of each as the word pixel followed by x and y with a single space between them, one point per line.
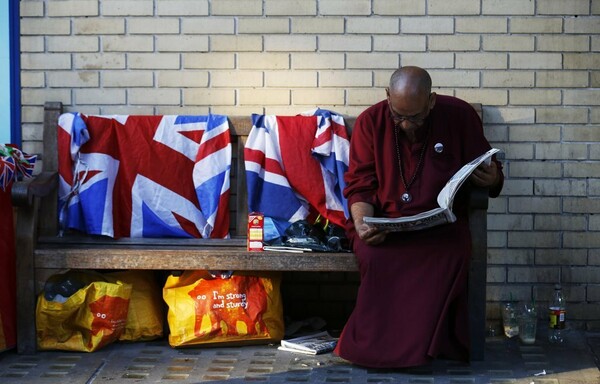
pixel 417 119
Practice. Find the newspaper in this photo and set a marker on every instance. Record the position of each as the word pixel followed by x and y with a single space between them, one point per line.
pixel 314 344
pixel 437 216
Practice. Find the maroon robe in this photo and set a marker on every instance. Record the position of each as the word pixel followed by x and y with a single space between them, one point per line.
pixel 412 301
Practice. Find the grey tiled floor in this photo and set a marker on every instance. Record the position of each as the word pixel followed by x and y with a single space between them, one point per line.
pixel 506 362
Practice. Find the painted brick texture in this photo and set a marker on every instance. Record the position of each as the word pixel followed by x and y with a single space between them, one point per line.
pixel 534 65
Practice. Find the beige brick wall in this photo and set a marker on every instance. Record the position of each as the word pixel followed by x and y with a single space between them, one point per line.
pixel 535 65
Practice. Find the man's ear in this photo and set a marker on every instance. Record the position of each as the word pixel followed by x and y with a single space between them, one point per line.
pixel 432 98
pixel 387 93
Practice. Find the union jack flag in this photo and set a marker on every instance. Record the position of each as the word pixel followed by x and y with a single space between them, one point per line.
pixel 14 165
pixel 144 176
pixel 295 167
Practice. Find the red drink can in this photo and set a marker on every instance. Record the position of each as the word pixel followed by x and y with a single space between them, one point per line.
pixel 256 225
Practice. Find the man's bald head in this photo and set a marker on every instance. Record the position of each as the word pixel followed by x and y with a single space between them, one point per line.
pixel 410 98
pixel 411 82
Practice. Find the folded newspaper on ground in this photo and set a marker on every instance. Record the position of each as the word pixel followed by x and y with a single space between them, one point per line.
pixel 314 344
pixel 437 216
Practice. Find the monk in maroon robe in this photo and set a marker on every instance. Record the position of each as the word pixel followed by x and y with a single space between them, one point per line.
pixel 412 301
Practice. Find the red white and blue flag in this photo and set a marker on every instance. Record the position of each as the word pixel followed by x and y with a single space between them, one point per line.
pixel 14 165
pixel 144 176
pixel 295 167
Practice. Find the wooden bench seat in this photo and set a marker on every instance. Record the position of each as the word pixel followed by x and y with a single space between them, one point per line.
pixel 40 252
pixel 170 254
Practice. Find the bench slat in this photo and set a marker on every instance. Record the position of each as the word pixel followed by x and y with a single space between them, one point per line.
pixel 81 241
pixel 161 257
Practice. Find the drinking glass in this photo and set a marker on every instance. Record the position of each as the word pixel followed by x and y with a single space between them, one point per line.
pixel 510 319
pixel 528 323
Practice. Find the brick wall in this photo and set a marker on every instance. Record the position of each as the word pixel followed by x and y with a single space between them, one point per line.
pixel 533 64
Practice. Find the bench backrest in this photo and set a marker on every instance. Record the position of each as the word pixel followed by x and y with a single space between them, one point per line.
pixel 239 126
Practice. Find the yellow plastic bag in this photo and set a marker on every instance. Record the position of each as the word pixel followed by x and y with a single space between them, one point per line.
pixel 88 319
pixel 145 319
pixel 208 310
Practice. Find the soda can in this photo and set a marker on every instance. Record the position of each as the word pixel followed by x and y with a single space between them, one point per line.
pixel 256 225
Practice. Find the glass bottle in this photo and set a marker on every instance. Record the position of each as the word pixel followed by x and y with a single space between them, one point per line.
pixel 557 312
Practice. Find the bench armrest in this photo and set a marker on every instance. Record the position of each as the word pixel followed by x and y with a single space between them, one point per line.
pixel 41 185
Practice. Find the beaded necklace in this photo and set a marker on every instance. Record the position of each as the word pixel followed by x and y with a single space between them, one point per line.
pixel 406 196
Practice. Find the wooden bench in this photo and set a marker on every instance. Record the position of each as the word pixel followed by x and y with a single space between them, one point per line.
pixel 40 252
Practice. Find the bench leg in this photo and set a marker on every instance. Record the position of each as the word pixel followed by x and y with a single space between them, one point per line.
pixel 477 285
pixel 26 235
pixel 477 313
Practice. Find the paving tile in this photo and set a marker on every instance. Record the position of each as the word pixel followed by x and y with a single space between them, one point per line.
pixel 506 362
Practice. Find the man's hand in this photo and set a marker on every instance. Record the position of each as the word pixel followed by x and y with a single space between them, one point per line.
pixel 370 234
pixel 366 232
pixel 485 175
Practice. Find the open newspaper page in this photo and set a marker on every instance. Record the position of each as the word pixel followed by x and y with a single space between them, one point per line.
pixel 314 344
pixel 437 216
